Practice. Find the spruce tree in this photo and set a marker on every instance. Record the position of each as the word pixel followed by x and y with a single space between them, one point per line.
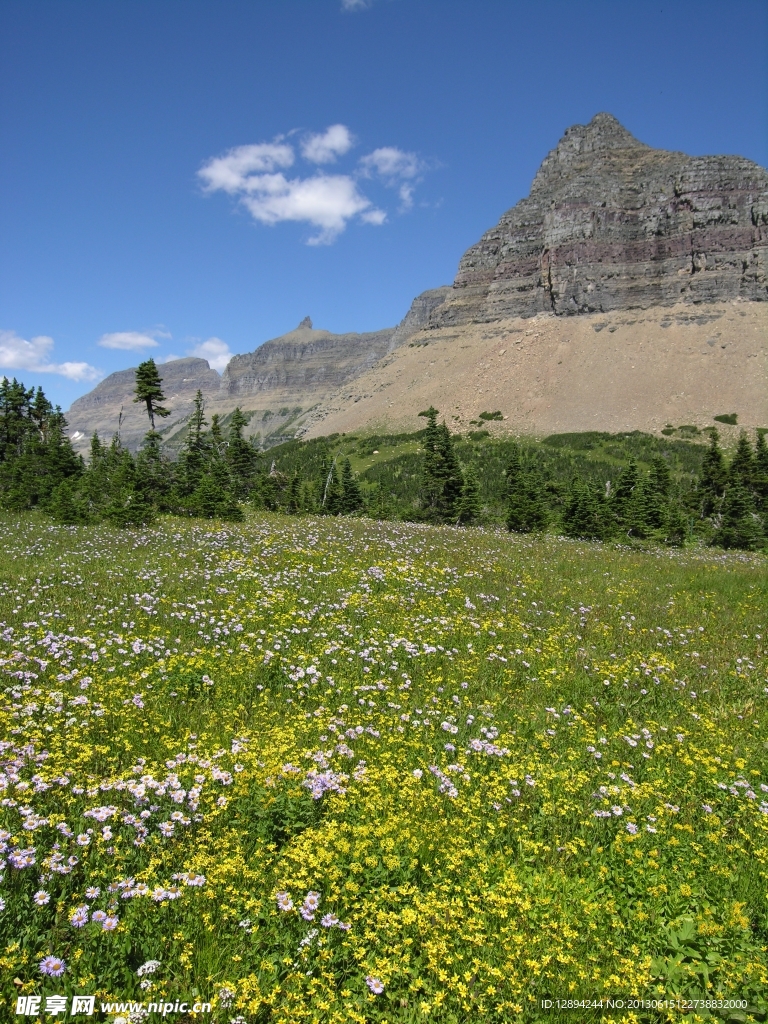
pixel 739 525
pixel 352 496
pixel 333 497
pixel 583 515
pixel 241 455
pixel 468 506
pixel 527 510
pixel 451 477
pixel 441 477
pixel 294 496
pixel 127 504
pixel 154 474
pixel 149 390
pixel 657 494
pixel 194 455
pixel 676 525
pixel 63 506
pixel 713 476
pixel 742 467
pixel 623 497
pixel 761 475
pixel 431 489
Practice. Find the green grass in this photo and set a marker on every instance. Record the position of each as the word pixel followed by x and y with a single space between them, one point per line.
pixel 541 770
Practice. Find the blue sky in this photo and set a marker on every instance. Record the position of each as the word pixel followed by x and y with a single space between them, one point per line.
pixel 181 177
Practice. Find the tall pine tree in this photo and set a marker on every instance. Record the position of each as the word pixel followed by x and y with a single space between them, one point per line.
pixel 149 390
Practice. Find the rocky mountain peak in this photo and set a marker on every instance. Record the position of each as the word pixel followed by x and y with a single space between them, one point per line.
pixel 611 223
pixel 305 323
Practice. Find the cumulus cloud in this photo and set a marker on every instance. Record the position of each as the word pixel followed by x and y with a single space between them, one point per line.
pixel 391 163
pixel 128 341
pixel 328 202
pixel 397 169
pixel 232 172
pixel 326 146
pixel 216 351
pixel 19 354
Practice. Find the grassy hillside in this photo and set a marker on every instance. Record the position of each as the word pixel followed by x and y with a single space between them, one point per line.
pixel 389 465
pixel 344 771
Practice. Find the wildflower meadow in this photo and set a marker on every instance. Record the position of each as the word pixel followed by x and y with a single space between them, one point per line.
pixel 338 770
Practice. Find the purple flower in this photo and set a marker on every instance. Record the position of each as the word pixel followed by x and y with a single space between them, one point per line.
pixel 374 984
pixel 284 901
pixel 52 966
pixel 631 827
pixel 110 923
pixel 79 917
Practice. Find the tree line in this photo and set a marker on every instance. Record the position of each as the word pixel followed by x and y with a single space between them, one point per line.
pixel 218 470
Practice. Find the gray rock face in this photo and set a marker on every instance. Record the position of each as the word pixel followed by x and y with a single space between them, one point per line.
pixel 99 410
pixel 612 224
pixel 418 315
pixel 304 363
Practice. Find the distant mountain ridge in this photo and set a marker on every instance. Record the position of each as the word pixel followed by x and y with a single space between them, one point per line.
pixel 280 384
pixel 610 226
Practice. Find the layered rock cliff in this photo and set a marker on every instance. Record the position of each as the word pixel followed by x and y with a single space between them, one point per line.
pixel 304 362
pixel 610 224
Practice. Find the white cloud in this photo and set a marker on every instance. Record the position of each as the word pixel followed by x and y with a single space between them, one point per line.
pixel 326 201
pixel 167 359
pixel 397 169
pixel 355 5
pixel 230 173
pixel 216 351
pixel 326 146
pixel 391 163
pixel 128 341
pixel 18 354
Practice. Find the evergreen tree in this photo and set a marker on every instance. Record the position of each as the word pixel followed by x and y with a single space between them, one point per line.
pixel 761 475
pixel 676 526
pixel 127 504
pixel 241 455
pixel 352 496
pixel 294 496
pixel 63 506
pixel 622 502
pixel 450 474
pixel 657 495
pixel 514 469
pixel 309 501
pixel 35 452
pixel 742 467
pixel 149 390
pixel 154 474
pixel 739 525
pixel 430 498
pixel 196 449
pixel 333 497
pixel 441 478
pixel 468 506
pixel 527 510
pixel 713 476
pixel 583 516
